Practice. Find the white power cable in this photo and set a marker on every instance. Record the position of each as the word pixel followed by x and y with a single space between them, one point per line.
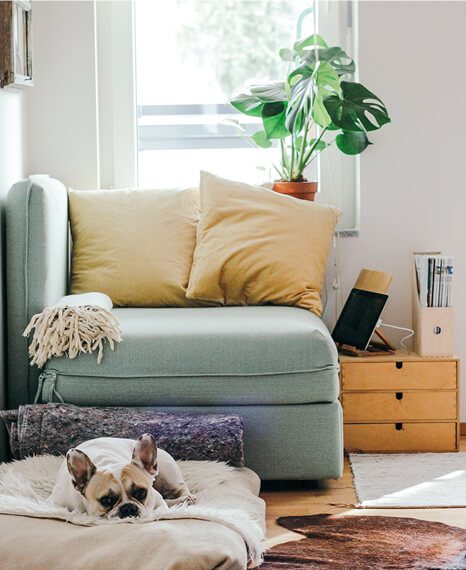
pixel 336 283
pixel 404 339
pixel 324 294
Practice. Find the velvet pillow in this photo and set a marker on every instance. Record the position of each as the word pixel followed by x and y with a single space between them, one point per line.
pixel 134 245
pixel 255 246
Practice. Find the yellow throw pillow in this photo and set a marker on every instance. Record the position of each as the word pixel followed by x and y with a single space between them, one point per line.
pixel 134 245
pixel 255 246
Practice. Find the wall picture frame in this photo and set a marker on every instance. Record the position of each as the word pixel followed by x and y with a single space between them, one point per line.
pixel 16 43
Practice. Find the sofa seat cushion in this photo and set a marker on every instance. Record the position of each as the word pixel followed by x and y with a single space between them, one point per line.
pixel 207 356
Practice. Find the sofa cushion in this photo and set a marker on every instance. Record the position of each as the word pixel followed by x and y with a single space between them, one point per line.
pixel 255 246
pixel 134 245
pixel 207 356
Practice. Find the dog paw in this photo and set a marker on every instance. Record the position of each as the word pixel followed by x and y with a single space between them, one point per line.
pixel 183 500
pixel 190 499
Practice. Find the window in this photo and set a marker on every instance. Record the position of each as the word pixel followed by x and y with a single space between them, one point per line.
pixel 164 112
pixel 202 52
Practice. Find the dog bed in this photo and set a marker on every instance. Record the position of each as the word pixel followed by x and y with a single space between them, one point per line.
pixel 223 530
pixel 54 428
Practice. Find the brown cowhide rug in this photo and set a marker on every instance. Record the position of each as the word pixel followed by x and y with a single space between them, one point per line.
pixel 368 542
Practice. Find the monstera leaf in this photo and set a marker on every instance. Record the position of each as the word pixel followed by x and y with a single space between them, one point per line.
pixel 357 109
pixel 274 120
pixel 247 104
pixel 335 56
pixel 299 86
pixel 269 92
pixel 301 46
pixel 269 102
pixel 312 40
pixel 261 140
pixel 287 54
pixel 309 87
pixel 252 104
pixel 352 142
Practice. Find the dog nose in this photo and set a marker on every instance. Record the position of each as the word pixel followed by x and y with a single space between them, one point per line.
pixel 128 510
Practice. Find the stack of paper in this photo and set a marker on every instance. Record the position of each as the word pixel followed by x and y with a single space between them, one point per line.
pixel 434 273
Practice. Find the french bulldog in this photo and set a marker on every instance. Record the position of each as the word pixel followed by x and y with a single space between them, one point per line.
pixel 119 478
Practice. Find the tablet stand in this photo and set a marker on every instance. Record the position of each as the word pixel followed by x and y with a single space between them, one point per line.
pixel 374 348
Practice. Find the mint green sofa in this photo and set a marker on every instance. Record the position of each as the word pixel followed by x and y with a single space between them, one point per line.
pixel 276 367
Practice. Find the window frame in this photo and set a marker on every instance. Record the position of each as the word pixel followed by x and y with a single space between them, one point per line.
pixel 118 112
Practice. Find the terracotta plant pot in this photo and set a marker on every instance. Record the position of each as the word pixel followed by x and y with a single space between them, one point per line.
pixel 300 190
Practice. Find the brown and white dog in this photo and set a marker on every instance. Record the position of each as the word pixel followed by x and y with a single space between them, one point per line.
pixel 119 478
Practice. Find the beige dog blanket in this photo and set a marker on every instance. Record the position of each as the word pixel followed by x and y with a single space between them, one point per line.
pixel 224 530
pixel 75 324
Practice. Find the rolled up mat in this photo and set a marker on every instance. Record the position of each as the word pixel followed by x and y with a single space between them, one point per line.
pixel 55 428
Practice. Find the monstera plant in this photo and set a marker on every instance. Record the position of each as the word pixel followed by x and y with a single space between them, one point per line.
pixel 316 106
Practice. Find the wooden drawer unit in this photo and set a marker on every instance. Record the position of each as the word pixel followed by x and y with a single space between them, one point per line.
pixel 398 375
pixel 399 403
pixel 399 406
pixel 401 437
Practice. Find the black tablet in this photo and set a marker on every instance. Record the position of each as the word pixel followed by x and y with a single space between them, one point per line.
pixel 359 318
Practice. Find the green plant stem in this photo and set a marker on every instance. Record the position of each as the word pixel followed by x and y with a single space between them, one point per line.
pixel 281 173
pixel 284 160
pixel 306 160
pixel 303 146
pixel 278 171
pixel 320 151
pixel 292 158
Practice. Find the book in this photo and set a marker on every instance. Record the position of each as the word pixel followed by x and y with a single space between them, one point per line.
pixel 434 278
pixel 448 281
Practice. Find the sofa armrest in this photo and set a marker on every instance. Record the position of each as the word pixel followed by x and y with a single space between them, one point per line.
pixel 37 270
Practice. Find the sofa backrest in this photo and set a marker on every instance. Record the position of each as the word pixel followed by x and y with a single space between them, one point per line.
pixel 37 245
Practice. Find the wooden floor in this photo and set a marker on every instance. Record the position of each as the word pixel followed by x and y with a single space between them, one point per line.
pixel 338 497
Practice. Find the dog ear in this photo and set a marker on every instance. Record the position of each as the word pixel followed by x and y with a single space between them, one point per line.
pixel 145 454
pixel 81 469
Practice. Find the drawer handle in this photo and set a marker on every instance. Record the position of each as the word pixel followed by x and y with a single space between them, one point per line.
pixel 399 395
pixel 398 427
pixel 399 365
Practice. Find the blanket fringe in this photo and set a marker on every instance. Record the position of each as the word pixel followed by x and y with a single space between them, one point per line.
pixel 71 331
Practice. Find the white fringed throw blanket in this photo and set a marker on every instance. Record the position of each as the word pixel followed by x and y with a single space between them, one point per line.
pixel 75 324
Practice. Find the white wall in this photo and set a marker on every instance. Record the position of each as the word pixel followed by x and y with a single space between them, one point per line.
pixel 12 168
pixel 12 138
pixel 413 180
pixel 62 108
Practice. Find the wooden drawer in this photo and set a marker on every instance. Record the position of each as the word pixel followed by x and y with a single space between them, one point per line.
pixel 386 406
pixel 401 437
pixel 399 375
